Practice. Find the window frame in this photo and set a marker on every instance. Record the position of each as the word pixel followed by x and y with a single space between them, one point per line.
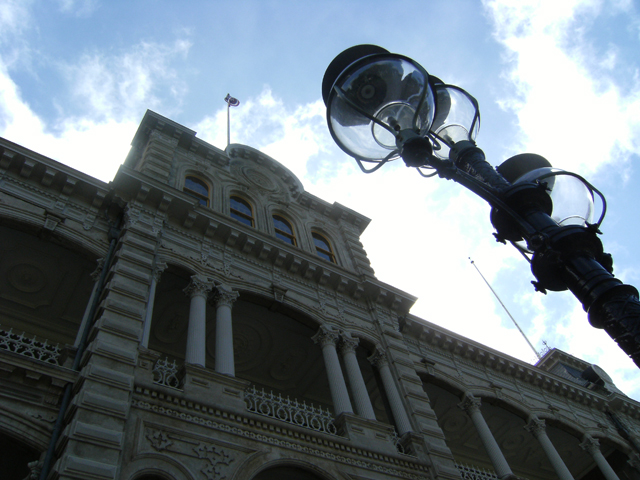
pixel 319 250
pixel 291 236
pixel 234 213
pixel 197 195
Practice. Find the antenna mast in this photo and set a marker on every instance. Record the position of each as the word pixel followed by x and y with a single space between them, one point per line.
pixel 505 309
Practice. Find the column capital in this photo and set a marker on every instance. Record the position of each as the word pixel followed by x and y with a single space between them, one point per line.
pixel 536 426
pixel 590 445
pixel 95 275
pixel 634 461
pixel 379 358
pixel 224 295
pixel 199 286
pixel 327 335
pixel 470 404
pixel 158 268
pixel 348 344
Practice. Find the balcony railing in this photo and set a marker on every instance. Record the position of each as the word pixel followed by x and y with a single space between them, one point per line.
pixel 472 473
pixel 29 347
pixel 166 373
pixel 290 411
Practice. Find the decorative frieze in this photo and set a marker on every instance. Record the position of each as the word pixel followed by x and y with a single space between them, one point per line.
pixel 334 451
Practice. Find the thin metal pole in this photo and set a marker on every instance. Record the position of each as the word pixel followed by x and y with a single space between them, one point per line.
pixel 505 309
pixel 228 125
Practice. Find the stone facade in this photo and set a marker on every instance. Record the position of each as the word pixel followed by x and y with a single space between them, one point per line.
pixel 202 316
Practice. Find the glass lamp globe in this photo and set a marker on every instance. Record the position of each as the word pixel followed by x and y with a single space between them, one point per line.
pixel 572 198
pixel 371 97
pixel 457 118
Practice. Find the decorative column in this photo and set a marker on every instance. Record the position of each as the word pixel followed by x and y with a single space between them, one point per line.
pixel 95 275
pixel 592 446
pixel 380 361
pixel 471 405
pixel 224 298
pixel 359 391
pixel 158 268
pixel 197 290
pixel 328 337
pixel 538 430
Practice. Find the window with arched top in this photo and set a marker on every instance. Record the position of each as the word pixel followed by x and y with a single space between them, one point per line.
pixel 323 247
pixel 197 188
pixel 284 230
pixel 241 210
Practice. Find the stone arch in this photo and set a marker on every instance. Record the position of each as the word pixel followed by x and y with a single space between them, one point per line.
pixel 15 456
pixel 156 467
pixel 274 350
pixel 367 347
pixel 45 276
pixel 168 330
pixel 329 235
pixel 251 197
pixel 285 469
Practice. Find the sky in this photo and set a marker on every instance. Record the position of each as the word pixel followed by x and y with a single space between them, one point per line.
pixel 560 79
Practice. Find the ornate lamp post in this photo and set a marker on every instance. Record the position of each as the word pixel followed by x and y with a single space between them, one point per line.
pixel 383 106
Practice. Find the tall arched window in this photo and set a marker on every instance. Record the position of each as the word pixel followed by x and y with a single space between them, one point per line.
pixel 241 210
pixel 323 247
pixel 197 189
pixel 284 230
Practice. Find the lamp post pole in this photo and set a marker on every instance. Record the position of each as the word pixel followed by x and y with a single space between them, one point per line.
pixel 383 106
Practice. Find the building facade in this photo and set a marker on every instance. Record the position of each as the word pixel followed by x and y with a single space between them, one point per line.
pixel 204 317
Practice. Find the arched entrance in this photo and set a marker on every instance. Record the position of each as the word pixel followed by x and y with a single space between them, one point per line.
pixel 286 473
pixel 15 457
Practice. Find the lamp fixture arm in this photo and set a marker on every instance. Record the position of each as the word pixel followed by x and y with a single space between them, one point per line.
pixel 570 257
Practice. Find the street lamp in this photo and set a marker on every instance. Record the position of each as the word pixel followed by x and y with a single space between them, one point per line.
pixel 383 106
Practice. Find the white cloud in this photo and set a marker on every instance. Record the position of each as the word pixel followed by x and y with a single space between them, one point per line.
pixel 78 8
pixel 110 91
pixel 578 118
pixel 573 110
pixel 122 86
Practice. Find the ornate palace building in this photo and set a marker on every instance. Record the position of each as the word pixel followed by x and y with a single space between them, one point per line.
pixel 204 317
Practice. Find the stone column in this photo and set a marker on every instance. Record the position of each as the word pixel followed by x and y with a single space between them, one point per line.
pixel 224 298
pixel 592 446
pixel 197 290
pixel 95 275
pixel 328 337
pixel 538 430
pixel 380 361
pixel 471 405
pixel 158 268
pixel 359 391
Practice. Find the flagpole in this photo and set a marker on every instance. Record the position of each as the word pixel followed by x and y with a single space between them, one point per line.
pixel 505 309
pixel 231 102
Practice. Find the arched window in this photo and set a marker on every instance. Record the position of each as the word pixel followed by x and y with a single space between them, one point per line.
pixel 284 230
pixel 241 210
pixel 323 247
pixel 197 189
